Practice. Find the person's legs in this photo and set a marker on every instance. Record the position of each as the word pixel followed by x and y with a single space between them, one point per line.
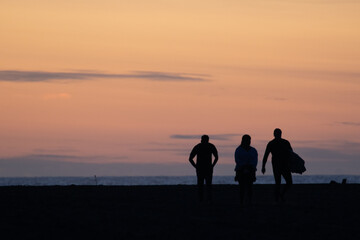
pixel 200 184
pixel 249 188
pixel 241 188
pixel 245 186
pixel 252 179
pixel 208 180
pixel 277 177
pixel 288 179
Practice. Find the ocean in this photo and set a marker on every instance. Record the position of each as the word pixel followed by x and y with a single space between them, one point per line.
pixel 163 180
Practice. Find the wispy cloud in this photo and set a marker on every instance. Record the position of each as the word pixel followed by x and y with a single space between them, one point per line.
pixel 48 157
pixel 42 76
pixel 327 154
pixel 56 96
pixel 328 75
pixel 176 151
pixel 357 124
pixel 279 99
pixel 223 137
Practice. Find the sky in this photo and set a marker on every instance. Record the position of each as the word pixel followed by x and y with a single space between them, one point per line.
pixel 126 88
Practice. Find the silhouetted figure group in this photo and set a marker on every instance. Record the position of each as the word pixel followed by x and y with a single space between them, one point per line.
pixel 246 159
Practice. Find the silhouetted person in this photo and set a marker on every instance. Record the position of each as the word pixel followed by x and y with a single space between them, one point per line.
pixel 204 165
pixel 280 150
pixel 246 159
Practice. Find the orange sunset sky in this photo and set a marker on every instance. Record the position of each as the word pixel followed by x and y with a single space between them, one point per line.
pixel 112 87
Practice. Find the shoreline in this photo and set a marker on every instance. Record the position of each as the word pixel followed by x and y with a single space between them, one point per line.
pixel 163 180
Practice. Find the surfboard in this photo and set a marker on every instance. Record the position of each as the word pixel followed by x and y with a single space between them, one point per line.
pixel 297 164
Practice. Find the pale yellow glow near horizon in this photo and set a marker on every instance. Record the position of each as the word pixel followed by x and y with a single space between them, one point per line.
pixel 266 64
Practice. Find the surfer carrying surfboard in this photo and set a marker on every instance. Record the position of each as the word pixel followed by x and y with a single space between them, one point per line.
pixel 280 150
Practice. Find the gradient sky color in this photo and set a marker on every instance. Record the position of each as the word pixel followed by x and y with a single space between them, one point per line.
pixel 128 87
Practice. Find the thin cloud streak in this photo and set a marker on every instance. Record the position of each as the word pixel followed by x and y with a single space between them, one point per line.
pixel 353 124
pixel 327 154
pixel 56 96
pixel 323 75
pixel 41 76
pixel 175 152
pixel 71 158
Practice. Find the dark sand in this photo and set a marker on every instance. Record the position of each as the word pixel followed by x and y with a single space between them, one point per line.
pixel 173 212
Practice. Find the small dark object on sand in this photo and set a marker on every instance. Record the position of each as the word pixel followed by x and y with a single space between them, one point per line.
pixel 332 182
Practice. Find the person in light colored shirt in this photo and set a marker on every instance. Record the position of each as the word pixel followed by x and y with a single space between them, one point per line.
pixel 246 159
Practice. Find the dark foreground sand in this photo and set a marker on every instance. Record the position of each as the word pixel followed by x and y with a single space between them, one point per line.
pixel 172 212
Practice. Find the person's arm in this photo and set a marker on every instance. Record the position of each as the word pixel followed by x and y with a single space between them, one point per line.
pixel 215 153
pixel 255 162
pixel 266 155
pixel 192 155
pixel 237 157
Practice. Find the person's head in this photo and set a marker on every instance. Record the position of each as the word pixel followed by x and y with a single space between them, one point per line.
pixel 277 133
pixel 204 138
pixel 246 140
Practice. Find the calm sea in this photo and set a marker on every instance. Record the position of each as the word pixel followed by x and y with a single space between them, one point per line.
pixel 163 180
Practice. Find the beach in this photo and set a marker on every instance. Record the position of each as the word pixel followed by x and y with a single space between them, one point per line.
pixel 310 211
